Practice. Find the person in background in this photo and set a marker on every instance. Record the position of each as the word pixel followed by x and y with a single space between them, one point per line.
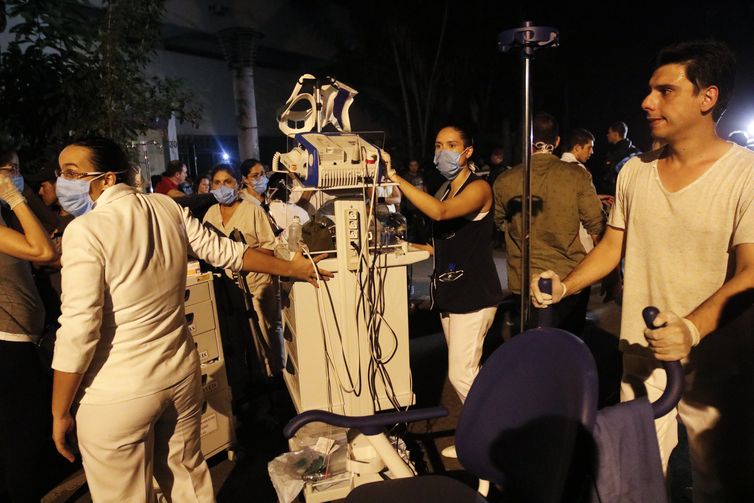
pixel 578 150
pixel 563 199
pixel 124 353
pixel 233 213
pixel 254 181
pixel 415 175
pixel 416 222
pixel 47 180
pixel 171 181
pixel 202 185
pixel 619 151
pixel 496 166
pixel 187 187
pixel 24 384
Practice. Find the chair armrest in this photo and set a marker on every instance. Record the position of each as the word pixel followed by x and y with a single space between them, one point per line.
pixel 368 425
pixel 673 390
pixel 673 370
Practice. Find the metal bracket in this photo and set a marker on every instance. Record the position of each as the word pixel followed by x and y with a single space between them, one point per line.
pixel 529 38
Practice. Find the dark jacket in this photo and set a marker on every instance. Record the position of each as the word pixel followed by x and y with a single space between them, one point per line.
pixel 562 197
pixel 615 158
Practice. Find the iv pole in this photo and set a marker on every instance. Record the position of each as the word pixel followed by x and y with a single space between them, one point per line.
pixel 528 38
pixel 144 146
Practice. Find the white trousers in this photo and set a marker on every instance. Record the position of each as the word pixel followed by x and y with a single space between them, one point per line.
pixel 714 410
pixel 124 445
pixel 464 334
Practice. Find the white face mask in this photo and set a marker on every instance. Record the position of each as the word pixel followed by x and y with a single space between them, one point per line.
pixel 448 163
pixel 225 195
pixel 543 147
pixel 73 195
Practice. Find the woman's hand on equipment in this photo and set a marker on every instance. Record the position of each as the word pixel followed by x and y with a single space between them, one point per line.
pixel 305 268
pixel 540 299
pixel 422 246
pixel 61 428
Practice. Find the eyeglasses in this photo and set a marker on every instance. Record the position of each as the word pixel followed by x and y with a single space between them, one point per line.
pixel 11 169
pixel 70 174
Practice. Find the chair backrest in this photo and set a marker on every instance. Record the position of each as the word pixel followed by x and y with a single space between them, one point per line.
pixel 527 421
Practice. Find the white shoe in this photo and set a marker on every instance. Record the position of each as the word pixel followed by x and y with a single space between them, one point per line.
pixel 450 452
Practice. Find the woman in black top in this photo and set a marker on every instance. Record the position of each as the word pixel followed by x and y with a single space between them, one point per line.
pixel 465 284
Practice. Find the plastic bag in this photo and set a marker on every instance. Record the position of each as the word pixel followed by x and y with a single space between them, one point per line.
pixel 291 470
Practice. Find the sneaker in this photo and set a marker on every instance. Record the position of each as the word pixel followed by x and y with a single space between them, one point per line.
pixel 450 452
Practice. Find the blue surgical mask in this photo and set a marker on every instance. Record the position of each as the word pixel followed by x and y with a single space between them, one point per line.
pixel 446 162
pixel 260 184
pixel 224 195
pixel 73 196
pixel 18 181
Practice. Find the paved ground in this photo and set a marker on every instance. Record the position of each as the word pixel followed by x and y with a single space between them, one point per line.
pixel 260 423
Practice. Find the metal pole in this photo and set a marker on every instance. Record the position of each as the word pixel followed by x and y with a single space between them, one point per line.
pixel 526 207
pixel 528 38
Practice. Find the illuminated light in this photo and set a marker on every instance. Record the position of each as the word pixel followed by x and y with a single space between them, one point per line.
pixel 226 157
pixel 750 128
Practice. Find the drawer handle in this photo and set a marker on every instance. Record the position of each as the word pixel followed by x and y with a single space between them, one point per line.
pixel 190 322
pixel 289 367
pixel 186 295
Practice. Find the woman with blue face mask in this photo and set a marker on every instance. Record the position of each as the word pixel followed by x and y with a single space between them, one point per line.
pixel 254 180
pixel 242 214
pixel 124 353
pixel 465 283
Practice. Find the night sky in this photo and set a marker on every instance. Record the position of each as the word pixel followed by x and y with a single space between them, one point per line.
pixel 598 75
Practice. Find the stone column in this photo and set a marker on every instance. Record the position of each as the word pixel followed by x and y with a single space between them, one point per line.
pixel 239 48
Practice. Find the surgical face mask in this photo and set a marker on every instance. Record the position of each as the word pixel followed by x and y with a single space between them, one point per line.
pixel 18 181
pixel 446 162
pixel 224 195
pixel 260 184
pixel 73 195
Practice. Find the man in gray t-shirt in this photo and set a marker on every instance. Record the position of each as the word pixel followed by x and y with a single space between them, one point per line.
pixel 684 222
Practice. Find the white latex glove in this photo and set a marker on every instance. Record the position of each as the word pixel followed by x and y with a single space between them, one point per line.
pixel 540 299
pixel 673 338
pixel 8 191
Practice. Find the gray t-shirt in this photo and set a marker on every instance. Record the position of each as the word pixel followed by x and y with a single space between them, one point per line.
pixel 21 310
pixel 679 246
